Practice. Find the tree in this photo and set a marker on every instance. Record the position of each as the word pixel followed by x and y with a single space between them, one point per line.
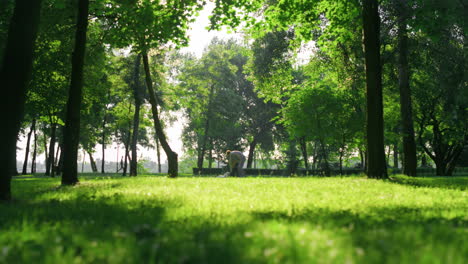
pixel 137 93
pixel 287 14
pixel 215 95
pixel 409 145
pixel 439 82
pixel 72 123
pixel 15 74
pixel 150 25
pixel 26 154
pixel 376 164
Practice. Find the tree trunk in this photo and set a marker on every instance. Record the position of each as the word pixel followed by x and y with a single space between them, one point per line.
pixel 59 167
pixel 124 169
pixel 250 157
pixel 103 138
pixel 409 144
pixel 376 165
pixel 395 156
pixel 171 155
pixel 33 162
pixel 325 167
pixel 72 128
pixel 51 160
pixel 46 156
pixel 202 148
pixel 127 150
pixel 92 163
pixel 314 155
pixel 83 161
pixel 158 154
pixel 136 117
pixel 305 156
pixel 26 154
pixel 15 74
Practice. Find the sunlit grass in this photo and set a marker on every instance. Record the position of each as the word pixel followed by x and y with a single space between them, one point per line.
pixel 231 220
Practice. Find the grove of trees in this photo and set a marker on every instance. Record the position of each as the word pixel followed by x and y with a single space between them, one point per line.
pixel 384 84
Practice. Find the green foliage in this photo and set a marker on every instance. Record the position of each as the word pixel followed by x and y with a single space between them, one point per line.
pixel 231 220
pixel 212 95
pixel 148 24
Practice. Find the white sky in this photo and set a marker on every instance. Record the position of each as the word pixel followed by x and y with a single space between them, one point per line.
pixel 199 36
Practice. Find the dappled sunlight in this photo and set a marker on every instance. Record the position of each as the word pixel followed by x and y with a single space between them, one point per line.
pixel 254 220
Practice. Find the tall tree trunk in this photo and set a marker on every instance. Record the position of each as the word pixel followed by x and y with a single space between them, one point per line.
pixel 59 167
pixel 136 117
pixel 376 165
pixel 395 156
pixel 171 155
pixel 314 155
pixel 83 161
pixel 103 138
pixel 202 147
pixel 250 157
pixel 51 160
pixel 127 146
pixel 26 154
pixel 56 158
pixel 423 161
pixel 72 128
pixel 158 154
pixel 15 75
pixel 33 162
pixel 409 144
pixel 92 163
pixel 124 168
pixel 305 156
pixel 325 166
pixel 46 156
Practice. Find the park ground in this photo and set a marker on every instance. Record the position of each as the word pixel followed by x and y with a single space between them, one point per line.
pixel 155 219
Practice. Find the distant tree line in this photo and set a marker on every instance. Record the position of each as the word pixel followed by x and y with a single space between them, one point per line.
pixel 385 83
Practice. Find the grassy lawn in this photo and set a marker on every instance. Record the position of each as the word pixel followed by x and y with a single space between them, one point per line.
pixel 151 219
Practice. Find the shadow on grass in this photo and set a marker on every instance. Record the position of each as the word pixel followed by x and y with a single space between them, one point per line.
pixel 127 231
pixel 453 183
pixel 388 235
pixel 119 229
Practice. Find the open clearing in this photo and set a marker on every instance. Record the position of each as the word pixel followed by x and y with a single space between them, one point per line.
pixel 150 219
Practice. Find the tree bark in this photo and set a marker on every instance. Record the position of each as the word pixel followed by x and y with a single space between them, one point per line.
pixel 15 75
pixel 210 158
pixel 202 148
pixel 51 160
pixel 28 142
pixel 59 167
pixel 33 162
pixel 409 144
pixel 250 156
pixel 305 156
pixel 103 138
pixel 83 161
pixel 376 165
pixel 92 163
pixel 124 168
pixel 395 156
pixel 136 117
pixel 158 154
pixel 171 155
pixel 127 146
pixel 72 127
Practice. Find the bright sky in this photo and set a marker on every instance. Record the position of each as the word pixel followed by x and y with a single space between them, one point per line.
pixel 199 36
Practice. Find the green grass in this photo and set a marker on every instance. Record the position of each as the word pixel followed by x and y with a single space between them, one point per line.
pixel 232 220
